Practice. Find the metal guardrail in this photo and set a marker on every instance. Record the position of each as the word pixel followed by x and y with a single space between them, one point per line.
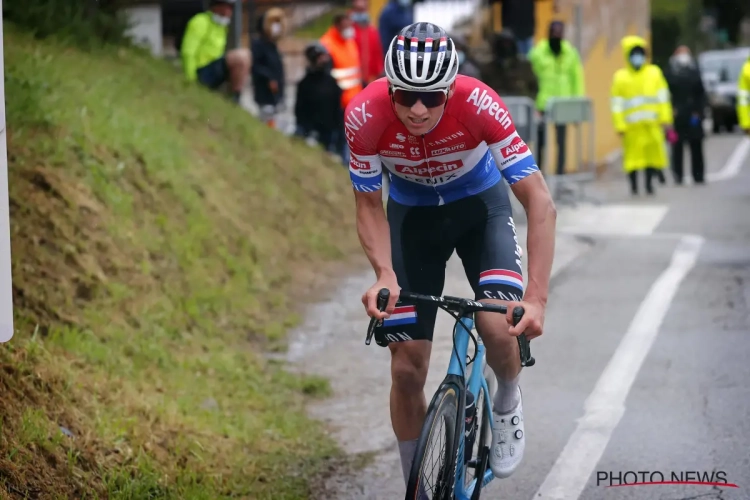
pixel 575 111
pixel 523 112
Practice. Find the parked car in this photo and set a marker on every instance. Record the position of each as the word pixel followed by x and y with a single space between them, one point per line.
pixel 720 70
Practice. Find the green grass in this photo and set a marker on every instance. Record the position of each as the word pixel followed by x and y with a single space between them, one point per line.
pixel 161 239
pixel 317 27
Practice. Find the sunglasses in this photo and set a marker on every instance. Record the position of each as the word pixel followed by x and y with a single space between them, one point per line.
pixel 430 99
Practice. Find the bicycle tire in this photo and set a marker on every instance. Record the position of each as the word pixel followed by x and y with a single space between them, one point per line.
pixel 484 449
pixel 482 441
pixel 443 406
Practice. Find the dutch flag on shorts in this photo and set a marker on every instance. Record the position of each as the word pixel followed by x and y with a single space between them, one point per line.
pixel 501 277
pixel 402 315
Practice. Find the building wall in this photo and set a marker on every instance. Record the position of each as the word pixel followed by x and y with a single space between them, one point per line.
pixel 605 23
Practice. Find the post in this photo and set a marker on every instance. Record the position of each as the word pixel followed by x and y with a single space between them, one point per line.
pixel 6 290
pixel 235 35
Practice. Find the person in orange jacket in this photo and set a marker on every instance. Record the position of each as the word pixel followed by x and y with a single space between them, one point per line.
pixel 368 40
pixel 347 69
pixel 341 46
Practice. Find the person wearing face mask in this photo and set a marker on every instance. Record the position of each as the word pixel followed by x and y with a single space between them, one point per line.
pixel 317 108
pixel 203 50
pixel 689 101
pixel 641 113
pixel 368 41
pixel 268 65
pixel 394 16
pixel 347 69
pixel 559 73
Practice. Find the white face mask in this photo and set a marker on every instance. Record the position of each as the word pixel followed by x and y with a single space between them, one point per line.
pixel 683 59
pixel 276 29
pixel 348 33
pixel 221 20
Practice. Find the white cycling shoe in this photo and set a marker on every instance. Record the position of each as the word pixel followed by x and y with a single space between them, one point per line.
pixel 508 441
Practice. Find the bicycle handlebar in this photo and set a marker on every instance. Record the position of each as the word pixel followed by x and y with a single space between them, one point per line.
pixel 459 306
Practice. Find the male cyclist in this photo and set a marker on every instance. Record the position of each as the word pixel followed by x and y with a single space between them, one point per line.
pixel 446 141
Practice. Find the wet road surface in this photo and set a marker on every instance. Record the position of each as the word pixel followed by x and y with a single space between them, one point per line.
pixel 643 367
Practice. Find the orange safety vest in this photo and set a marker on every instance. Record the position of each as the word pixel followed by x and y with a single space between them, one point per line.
pixel 346 65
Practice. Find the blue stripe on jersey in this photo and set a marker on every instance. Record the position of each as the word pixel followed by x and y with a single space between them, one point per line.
pixel 366 184
pixel 484 175
pixel 520 170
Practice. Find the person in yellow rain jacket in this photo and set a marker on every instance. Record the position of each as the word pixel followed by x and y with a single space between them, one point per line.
pixel 743 98
pixel 642 114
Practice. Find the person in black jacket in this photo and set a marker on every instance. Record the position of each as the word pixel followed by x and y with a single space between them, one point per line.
pixel 317 108
pixel 268 67
pixel 689 102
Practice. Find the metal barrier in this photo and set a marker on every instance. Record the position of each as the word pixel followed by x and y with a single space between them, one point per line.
pixel 523 112
pixel 568 111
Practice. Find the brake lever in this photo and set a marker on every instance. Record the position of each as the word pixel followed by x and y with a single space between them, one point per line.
pixel 524 344
pixel 383 296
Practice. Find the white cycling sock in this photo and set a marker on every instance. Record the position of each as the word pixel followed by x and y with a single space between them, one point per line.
pixel 407 449
pixel 506 397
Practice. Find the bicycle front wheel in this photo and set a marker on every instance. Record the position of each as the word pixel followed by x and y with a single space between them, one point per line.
pixel 433 471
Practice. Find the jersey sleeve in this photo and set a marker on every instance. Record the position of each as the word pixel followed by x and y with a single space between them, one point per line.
pixel 361 131
pixel 488 119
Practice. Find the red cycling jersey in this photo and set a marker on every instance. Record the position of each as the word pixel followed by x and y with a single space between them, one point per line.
pixel 459 157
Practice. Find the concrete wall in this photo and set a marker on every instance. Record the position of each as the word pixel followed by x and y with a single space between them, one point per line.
pixel 605 23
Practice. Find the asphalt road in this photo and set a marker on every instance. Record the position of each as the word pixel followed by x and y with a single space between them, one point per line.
pixel 642 368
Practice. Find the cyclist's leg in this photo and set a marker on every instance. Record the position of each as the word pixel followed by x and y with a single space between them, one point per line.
pixel 492 262
pixel 419 264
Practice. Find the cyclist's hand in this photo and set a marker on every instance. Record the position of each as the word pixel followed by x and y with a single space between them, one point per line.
pixel 532 322
pixel 370 298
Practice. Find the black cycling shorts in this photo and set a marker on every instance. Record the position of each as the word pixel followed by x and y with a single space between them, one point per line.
pixel 479 228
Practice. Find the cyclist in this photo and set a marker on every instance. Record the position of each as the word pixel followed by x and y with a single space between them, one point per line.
pixel 446 142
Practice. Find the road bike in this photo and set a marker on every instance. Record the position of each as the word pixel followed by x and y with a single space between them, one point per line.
pixel 462 465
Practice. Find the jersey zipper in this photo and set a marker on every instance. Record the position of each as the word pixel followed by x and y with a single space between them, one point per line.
pixel 429 172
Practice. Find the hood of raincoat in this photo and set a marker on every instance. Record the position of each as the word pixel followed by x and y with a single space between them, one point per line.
pixel 629 43
pixel 274 14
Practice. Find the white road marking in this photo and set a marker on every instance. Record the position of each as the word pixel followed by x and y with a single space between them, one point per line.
pixel 734 164
pixel 612 220
pixel 606 405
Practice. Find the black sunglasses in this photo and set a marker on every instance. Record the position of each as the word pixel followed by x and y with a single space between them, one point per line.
pixel 430 99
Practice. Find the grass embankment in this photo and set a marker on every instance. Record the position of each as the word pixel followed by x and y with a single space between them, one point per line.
pixel 158 235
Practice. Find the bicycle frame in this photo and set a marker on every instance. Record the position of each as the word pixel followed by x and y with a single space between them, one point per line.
pixel 457 368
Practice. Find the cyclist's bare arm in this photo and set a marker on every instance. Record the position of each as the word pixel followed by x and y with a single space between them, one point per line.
pixel 541 216
pixel 373 231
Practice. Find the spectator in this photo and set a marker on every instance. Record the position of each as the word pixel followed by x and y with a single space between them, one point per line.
pixel 339 43
pixel 689 101
pixel 268 66
pixel 519 16
pixel 559 72
pixel 641 112
pixel 368 41
pixel 318 105
pixel 466 65
pixel 394 16
pixel 203 46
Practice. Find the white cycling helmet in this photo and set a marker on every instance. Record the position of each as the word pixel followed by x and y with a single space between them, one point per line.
pixel 421 57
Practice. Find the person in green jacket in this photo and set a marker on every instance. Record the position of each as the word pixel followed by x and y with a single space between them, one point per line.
pixel 203 50
pixel 559 72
